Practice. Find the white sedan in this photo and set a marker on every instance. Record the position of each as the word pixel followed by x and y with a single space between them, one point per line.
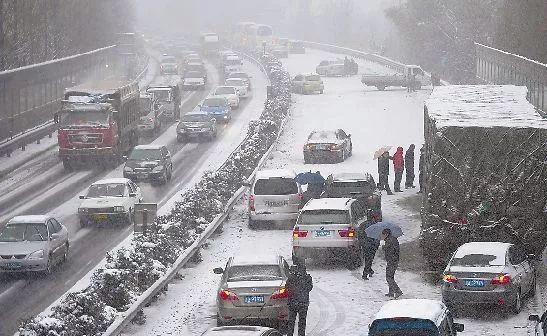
pixel 111 201
pixel 230 93
pixel 240 84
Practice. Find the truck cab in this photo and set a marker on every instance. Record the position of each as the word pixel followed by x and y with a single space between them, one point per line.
pixel 169 99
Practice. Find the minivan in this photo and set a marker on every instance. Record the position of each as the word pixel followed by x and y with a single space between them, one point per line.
pixel 414 317
pixel 274 196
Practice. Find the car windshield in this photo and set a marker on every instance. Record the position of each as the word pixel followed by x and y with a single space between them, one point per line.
pixel 24 232
pixel 477 260
pixel 324 216
pixel 214 102
pixel 149 154
pixel 193 74
pixel 313 78
pixel 196 117
pixel 235 82
pixel 323 136
pixel 275 186
pixel 161 94
pixel 83 117
pixel 254 272
pixel 106 190
pixel 225 90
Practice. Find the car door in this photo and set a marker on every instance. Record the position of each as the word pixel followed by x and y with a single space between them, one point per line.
pixel 528 269
pixel 517 259
pixel 55 241
pixel 342 137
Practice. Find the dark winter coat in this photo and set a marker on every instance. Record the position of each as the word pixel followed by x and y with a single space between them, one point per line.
pixel 391 250
pixel 421 164
pixel 409 158
pixel 383 165
pixel 398 160
pixel 299 285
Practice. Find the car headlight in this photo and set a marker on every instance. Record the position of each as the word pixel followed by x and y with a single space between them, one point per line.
pixel 127 169
pixel 225 117
pixel 36 255
pixel 157 168
pixel 82 210
pixel 118 208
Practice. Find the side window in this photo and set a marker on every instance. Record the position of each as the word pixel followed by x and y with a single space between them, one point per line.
pixel 50 227
pixel 358 211
pixel 131 187
pixel 56 226
pixel 516 255
pixel 286 267
pixel 343 134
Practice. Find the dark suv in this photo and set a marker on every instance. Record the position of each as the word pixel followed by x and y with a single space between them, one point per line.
pixel 358 186
pixel 196 125
pixel 149 163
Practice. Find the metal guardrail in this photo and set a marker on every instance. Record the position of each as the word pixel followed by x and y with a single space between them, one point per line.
pixel 125 318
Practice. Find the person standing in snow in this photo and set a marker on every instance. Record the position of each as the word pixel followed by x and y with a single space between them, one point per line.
pixel 409 167
pixel 383 172
pixel 299 285
pixel 391 251
pixel 421 170
pixel 369 246
pixel 398 167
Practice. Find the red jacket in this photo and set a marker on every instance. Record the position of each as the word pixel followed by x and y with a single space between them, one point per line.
pixel 398 160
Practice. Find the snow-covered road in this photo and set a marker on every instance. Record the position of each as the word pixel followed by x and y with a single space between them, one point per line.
pixel 341 302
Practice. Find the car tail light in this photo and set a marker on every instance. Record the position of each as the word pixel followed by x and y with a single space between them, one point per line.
pixel 252 202
pixel 297 233
pixel 502 279
pixel 226 295
pixel 449 278
pixel 282 293
pixel 347 233
pixel 301 196
pixel 333 147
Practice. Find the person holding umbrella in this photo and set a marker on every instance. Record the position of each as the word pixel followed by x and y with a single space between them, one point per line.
pixel 391 250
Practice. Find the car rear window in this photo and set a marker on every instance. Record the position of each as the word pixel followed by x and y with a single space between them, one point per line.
pixel 349 187
pixel 477 260
pixel 275 186
pixel 323 135
pixel 254 272
pixel 403 327
pixel 324 216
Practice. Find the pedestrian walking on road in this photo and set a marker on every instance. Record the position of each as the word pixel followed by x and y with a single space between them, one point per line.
pixel 398 167
pixel 370 246
pixel 383 172
pixel 299 285
pixel 391 251
pixel 421 170
pixel 409 167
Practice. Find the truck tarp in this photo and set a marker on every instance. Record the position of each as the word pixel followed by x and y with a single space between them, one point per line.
pixel 485 170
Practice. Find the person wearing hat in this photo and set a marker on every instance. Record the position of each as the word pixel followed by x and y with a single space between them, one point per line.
pixel 299 285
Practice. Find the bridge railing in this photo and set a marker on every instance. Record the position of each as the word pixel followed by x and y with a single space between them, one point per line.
pixel 499 67
pixel 29 96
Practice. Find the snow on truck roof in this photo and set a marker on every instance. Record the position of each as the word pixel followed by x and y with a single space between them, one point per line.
pixel 423 309
pixel 483 106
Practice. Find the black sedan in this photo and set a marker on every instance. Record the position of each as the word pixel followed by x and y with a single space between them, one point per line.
pixel 329 145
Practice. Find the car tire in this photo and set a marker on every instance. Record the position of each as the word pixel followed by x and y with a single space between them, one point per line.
pixel 381 88
pixel 350 149
pixel 341 157
pixel 170 173
pixel 517 304
pixel 307 159
pixel 253 224
pixel 532 292
pixel 49 266
pixel 83 223
pixel 67 165
pixel 65 254
pixel 220 323
pixel 164 177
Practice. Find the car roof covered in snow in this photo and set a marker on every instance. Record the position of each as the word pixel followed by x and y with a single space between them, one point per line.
pixel 275 173
pixel 327 203
pixel 349 177
pixel 148 147
pixel 483 106
pixel 497 249
pixel 423 309
pixel 29 219
pixel 111 180
pixel 255 260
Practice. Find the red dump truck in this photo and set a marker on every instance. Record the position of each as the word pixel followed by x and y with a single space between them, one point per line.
pixel 98 122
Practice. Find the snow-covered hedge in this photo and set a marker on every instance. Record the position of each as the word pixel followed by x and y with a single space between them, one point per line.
pixel 130 271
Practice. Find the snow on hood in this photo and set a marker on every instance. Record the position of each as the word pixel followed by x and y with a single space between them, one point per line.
pixel 23 247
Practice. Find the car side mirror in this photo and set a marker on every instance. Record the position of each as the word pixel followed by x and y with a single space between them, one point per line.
pixel 218 270
pixel 82 197
pixel 132 195
pixel 533 318
pixel 53 236
pixel 458 327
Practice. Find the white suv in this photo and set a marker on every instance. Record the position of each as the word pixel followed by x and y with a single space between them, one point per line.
pixel 329 225
pixel 274 196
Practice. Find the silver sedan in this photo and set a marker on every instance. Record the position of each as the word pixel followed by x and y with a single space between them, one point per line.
pixel 253 291
pixel 32 243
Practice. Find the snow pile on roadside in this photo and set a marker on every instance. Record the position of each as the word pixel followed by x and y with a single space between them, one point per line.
pixel 131 271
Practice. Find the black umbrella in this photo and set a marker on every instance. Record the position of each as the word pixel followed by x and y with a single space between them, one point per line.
pixel 309 177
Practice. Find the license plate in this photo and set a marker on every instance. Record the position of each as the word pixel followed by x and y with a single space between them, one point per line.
pixel 277 204
pixel 322 233
pixel 143 175
pixel 254 299
pixel 474 283
pixel 13 265
pixel 320 146
pixel 101 217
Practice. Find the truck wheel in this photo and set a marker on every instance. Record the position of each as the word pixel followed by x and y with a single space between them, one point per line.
pixel 67 165
pixel 381 88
